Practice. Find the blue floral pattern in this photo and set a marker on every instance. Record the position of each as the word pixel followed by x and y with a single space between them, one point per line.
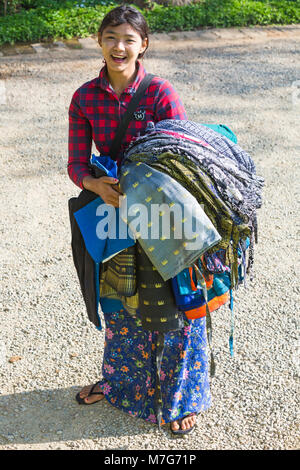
pixel 129 368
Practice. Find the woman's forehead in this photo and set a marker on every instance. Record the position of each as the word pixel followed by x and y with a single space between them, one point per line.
pixel 124 29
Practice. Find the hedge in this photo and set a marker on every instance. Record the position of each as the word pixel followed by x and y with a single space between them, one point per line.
pixel 72 20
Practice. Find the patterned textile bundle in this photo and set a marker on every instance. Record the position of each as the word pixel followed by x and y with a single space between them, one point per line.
pixel 200 185
pixel 121 272
pixel 227 171
pixel 230 167
pixel 131 303
pixel 157 306
pixel 173 158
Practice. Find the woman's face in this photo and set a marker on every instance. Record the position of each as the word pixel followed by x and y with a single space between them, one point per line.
pixel 121 46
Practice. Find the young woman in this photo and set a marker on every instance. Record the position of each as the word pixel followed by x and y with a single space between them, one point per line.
pixel 129 364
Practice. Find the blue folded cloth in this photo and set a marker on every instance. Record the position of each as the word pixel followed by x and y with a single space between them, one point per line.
pixel 106 164
pixel 104 232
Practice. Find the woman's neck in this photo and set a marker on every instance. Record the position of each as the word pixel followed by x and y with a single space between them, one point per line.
pixel 120 81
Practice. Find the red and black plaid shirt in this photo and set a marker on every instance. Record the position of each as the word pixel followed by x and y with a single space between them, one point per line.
pixel 95 113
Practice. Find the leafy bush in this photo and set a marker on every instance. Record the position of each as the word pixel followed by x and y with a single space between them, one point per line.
pixel 228 13
pixel 180 18
pixel 53 19
pixel 251 12
pixel 43 24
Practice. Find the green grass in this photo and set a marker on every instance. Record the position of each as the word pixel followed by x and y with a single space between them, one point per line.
pixel 66 19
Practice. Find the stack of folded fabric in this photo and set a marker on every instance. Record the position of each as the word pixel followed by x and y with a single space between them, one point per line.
pixel 201 170
pixel 185 161
pixel 185 164
pixel 167 275
pixel 215 169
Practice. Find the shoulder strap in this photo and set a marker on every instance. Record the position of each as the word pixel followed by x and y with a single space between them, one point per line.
pixel 115 146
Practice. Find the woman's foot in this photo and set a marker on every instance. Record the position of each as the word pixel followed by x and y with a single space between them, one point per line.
pixel 90 394
pixel 184 425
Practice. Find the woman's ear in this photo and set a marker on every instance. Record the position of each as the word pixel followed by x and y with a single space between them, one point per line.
pixel 144 45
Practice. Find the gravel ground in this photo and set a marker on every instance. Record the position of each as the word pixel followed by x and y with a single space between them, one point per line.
pixel 248 85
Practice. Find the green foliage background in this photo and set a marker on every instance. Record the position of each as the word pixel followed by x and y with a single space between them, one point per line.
pixel 41 20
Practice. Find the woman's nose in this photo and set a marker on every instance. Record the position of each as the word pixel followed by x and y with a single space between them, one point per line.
pixel 119 46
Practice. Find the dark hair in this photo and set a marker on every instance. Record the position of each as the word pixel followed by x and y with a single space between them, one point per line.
pixel 126 14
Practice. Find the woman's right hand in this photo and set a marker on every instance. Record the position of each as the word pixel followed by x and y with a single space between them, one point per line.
pixel 106 187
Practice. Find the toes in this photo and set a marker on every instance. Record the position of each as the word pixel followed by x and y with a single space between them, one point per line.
pixel 189 422
pixel 93 398
pixel 175 426
pixel 89 399
pixel 84 392
pixel 186 423
pixel 192 421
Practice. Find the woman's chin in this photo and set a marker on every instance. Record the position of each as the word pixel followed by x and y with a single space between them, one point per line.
pixel 121 67
pixel 116 67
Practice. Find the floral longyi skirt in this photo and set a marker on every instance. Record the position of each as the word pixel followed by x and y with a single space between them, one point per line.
pixel 129 368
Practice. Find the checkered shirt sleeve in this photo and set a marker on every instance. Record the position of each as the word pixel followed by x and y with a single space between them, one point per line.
pixel 80 142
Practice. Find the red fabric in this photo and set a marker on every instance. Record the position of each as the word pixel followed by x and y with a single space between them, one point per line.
pixel 95 113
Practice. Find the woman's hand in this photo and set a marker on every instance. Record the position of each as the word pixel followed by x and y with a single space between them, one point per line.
pixel 106 187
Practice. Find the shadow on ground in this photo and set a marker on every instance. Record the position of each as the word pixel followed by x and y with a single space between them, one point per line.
pixel 43 416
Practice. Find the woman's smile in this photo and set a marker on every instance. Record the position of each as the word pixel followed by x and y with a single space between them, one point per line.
pixel 118 59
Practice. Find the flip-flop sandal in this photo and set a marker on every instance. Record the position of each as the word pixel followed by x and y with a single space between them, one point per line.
pixel 179 431
pixel 82 401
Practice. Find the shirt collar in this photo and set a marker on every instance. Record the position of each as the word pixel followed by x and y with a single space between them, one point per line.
pixel 102 80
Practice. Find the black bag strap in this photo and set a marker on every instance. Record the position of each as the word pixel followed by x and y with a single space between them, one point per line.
pixel 116 144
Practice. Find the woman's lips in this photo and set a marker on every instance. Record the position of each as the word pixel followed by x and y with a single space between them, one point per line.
pixel 119 60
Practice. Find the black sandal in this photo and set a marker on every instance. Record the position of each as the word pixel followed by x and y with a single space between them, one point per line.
pixel 82 401
pixel 183 431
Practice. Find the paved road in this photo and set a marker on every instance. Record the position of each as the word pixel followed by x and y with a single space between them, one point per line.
pixel 250 84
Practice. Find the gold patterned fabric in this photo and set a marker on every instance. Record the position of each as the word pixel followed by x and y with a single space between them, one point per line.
pixel 121 272
pixel 129 303
pixel 157 306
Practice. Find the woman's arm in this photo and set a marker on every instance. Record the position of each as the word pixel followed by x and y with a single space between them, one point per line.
pixel 169 105
pixel 80 144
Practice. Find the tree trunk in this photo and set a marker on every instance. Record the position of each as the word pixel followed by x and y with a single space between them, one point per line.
pixel 5 7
